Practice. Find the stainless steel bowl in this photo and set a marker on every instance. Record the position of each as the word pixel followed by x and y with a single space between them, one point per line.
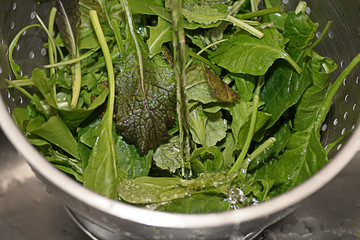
pixel 103 218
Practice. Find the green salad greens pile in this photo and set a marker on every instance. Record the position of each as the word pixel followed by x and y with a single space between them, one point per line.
pixel 180 105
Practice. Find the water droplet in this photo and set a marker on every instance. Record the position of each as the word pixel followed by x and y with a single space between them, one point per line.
pixel 0 70
pixel 354 107
pixel 346 115
pixel 331 34
pixel 14 6
pixel 336 121
pixel 324 127
pixel 346 97
pixel 12 25
pixel 24 33
pixel 344 82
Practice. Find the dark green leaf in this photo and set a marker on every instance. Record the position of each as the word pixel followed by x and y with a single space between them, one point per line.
pixel 284 87
pixel 100 174
pixel 320 72
pixel 129 159
pixel 303 157
pixel 56 132
pixel 145 108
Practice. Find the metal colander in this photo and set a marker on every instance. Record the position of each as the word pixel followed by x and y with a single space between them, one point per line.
pixel 102 218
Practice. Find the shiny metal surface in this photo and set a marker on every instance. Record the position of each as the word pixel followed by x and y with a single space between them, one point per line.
pixel 107 219
pixel 28 211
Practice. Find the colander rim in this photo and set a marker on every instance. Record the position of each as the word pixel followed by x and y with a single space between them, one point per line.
pixel 166 219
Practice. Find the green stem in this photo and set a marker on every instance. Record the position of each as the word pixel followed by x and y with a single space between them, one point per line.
pixel 74 60
pixel 76 82
pixel 180 76
pixel 108 62
pixel 256 98
pixel 52 55
pixel 114 57
pixel 203 50
pixel 13 45
pixel 118 37
pixel 204 60
pixel 332 91
pixel 241 24
pixel 260 13
pixel 18 87
pixel 323 34
pixel 22 83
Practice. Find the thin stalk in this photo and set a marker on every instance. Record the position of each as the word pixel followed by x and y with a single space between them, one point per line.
pixel 332 91
pixel 114 57
pixel 180 76
pixel 323 34
pixel 52 55
pixel 204 60
pixel 22 83
pixel 111 77
pixel 73 60
pixel 241 24
pixel 76 69
pixel 18 87
pixel 109 64
pixel 260 13
pixel 118 37
pixel 256 98
pixel 13 45
pixel 203 50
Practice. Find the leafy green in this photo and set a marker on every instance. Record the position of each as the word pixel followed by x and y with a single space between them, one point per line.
pixel 145 107
pixel 245 85
pixel 250 55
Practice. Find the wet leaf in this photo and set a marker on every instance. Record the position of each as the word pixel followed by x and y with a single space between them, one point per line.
pixel 144 108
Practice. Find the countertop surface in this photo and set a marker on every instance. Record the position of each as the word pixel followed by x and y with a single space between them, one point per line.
pixel 29 212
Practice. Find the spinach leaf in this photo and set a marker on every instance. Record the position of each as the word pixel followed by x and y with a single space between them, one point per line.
pixel 284 87
pixel 130 160
pixel 247 54
pixel 55 131
pixel 320 72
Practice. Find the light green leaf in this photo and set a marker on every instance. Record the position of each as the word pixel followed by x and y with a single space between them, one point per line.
pixel 167 155
pixel 159 35
pixel 247 54
pixel 203 14
pixel 207 129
